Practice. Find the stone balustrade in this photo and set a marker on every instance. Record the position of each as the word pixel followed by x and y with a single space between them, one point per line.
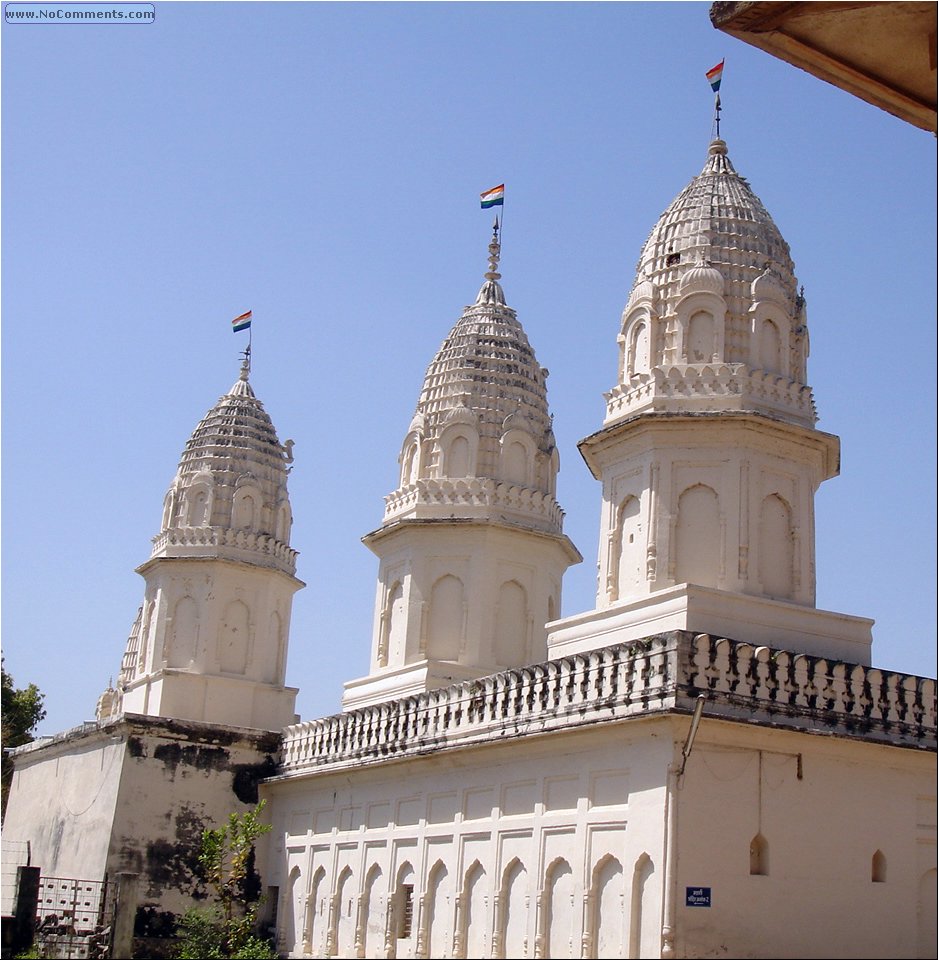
pixel 662 673
pixel 712 381
pixel 221 537
pixel 475 492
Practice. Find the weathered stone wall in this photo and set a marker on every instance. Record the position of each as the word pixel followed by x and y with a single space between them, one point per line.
pixel 134 794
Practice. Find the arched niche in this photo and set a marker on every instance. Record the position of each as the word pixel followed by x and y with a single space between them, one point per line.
pixel 410 459
pixel 284 521
pixel 246 508
pixel 437 913
pixel 701 328
pixel 517 457
pixel 776 548
pixel 476 922
pixel 373 932
pixel 197 505
pixel 459 447
pixel 559 921
pixel 272 666
pixel 345 913
pixel 183 634
pixel 393 627
pixel 511 624
pixel 234 638
pixel 771 338
pixel 637 341
pixel 628 549
pixel 643 931
pixel 146 627
pixel 697 546
pixel 446 619
pixel 313 936
pixel 878 867
pixel 403 907
pixel 607 889
pixel 514 909
pixel 758 856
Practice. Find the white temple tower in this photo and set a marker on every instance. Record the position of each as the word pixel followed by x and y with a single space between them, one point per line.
pixel 471 548
pixel 210 640
pixel 708 455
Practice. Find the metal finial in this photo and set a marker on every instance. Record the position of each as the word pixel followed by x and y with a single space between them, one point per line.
pixel 495 249
pixel 245 363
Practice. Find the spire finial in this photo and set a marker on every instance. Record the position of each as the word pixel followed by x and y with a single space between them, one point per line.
pixel 246 363
pixel 495 249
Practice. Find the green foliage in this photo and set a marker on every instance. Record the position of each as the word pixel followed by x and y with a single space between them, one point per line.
pixel 228 929
pixel 22 713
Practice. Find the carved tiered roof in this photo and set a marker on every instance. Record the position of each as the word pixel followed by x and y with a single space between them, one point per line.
pixel 229 496
pixel 486 377
pixel 716 249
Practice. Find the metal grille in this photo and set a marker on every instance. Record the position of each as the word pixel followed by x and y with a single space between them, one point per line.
pixel 74 918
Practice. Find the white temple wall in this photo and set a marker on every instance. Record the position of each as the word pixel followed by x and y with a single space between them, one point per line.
pixel 840 832
pixel 499 848
pixel 557 847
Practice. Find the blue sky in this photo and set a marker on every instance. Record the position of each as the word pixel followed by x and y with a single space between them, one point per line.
pixel 321 165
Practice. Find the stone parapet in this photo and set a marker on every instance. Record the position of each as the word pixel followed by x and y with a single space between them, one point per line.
pixel 711 386
pixel 662 673
pixel 226 543
pixel 437 497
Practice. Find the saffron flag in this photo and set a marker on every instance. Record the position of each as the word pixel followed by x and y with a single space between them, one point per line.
pixel 715 75
pixel 494 197
pixel 242 322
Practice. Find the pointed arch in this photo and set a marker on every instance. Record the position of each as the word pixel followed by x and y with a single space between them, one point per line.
pixel 758 856
pixel 776 548
pixel 437 909
pixel 476 923
pixel 403 904
pixel 345 913
pixel 445 627
pixel 607 890
pixel 643 934
pixel 560 933
pixel 878 867
pixel 315 914
pixel 514 909
pixel 293 919
pixel 698 537
pixel 372 918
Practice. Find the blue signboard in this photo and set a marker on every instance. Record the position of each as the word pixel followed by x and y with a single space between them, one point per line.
pixel 697 897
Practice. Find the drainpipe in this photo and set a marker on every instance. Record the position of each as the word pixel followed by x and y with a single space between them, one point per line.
pixel 675 773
